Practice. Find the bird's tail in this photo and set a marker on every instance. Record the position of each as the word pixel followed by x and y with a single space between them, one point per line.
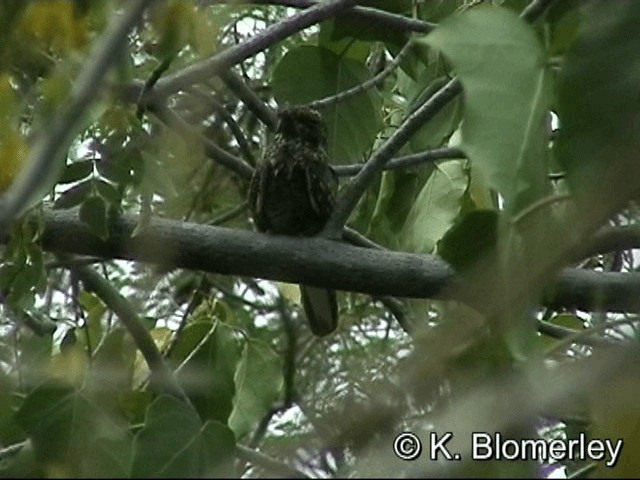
pixel 321 308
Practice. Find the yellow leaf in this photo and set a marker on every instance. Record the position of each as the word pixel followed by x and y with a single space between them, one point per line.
pixel 13 157
pixel 616 417
pixel 8 97
pixel 70 365
pixel 162 337
pixel 290 291
pixel 55 25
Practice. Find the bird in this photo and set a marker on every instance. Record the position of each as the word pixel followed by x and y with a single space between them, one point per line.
pixel 292 192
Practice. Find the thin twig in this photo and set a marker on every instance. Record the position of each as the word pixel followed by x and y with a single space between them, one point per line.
pixel 358 185
pixel 382 18
pixel 235 129
pixel 583 336
pixel 412 123
pixel 406 160
pixel 204 70
pixel 224 158
pixel 371 83
pixel 268 463
pixel 396 307
pixel 356 238
pixel 229 214
pixel 560 332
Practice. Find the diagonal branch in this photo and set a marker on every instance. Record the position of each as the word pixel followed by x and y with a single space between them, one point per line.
pixel 358 185
pixel 236 84
pixel 162 377
pixel 356 188
pixel 381 18
pixel 363 87
pixel 213 151
pixel 206 69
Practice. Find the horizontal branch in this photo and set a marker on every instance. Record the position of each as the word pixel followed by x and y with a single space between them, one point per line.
pixel 314 261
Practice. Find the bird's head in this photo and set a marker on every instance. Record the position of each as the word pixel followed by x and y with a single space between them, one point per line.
pixel 302 123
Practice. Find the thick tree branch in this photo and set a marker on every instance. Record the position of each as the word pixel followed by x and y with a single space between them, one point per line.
pixel 313 261
pixel 612 239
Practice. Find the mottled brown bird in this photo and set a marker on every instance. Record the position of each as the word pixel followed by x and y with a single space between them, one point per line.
pixel 292 192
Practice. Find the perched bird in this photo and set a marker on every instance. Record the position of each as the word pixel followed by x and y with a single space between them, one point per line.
pixel 292 192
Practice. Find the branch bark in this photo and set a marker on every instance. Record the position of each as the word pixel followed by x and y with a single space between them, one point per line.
pixel 313 261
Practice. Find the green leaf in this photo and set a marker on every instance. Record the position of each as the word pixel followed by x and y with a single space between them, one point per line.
pixel 568 320
pixel 258 382
pixel 436 207
pixel 207 376
pixel 118 168
pixel 76 171
pixel 308 73
pixel 112 367
pixel 599 88
pixel 174 443
pixel 74 195
pixel 35 352
pixel 10 432
pixel 108 192
pixel 396 197
pixel 500 63
pixel 92 305
pixel 93 213
pixel 470 238
pixel 564 21
pixel 438 129
pixel 65 427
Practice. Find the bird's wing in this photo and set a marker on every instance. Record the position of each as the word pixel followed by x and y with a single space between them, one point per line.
pixel 257 188
pixel 321 185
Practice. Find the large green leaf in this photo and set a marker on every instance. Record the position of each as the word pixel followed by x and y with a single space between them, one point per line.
pixel 599 92
pixel 396 196
pixel 174 443
pixel 436 207
pixel 112 366
pixel 65 426
pixel 470 238
pixel 208 374
pixel 308 73
pixel 258 383
pixel 500 63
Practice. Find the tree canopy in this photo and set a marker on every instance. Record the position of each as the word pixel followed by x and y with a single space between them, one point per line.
pixel 482 240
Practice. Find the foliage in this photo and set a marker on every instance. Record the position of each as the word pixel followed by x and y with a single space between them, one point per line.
pixel 172 372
